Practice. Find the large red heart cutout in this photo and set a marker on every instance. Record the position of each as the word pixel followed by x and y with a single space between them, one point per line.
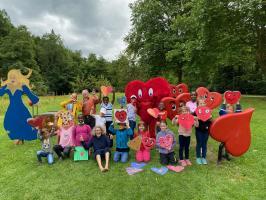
pixel 154 112
pixel 214 100
pixel 202 93
pixel 148 94
pixel 121 115
pixel 232 97
pixel 185 97
pixel 148 143
pixel 233 130
pixel 106 90
pixel 186 121
pixel 166 142
pixel 203 113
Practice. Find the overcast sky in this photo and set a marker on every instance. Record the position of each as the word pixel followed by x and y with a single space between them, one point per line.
pixel 92 26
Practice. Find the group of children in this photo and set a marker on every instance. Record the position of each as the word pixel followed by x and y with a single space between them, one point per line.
pixel 97 132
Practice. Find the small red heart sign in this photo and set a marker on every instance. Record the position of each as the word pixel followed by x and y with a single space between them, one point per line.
pixel 121 115
pixel 232 97
pixel 214 100
pixel 234 130
pixel 166 142
pixel 148 143
pixel 154 112
pixel 186 120
pixel 81 153
pixel 203 113
pixel 106 90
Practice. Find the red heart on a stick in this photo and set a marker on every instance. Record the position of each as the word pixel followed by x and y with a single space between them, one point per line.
pixel 154 112
pixel 179 89
pixel 203 113
pixel 106 90
pixel 171 106
pixel 166 142
pixel 148 143
pixel 214 100
pixel 185 97
pixel 232 97
pixel 233 130
pixel 121 115
pixel 186 120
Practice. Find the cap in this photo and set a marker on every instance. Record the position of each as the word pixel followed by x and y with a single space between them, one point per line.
pixel 133 96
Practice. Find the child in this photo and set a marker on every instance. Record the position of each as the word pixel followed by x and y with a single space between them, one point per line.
pixel 131 113
pixel 167 156
pixel 83 130
pixel 226 109
pixel 184 138
pixel 202 135
pixel 46 151
pixel 64 139
pixel 162 116
pixel 100 144
pixel 122 136
pixel 143 155
pixel 192 105
pixel 109 112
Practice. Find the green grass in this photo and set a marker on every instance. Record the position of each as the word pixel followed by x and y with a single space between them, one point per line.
pixel 21 177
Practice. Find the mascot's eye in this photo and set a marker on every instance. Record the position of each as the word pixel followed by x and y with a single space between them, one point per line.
pixel 207 111
pixel 173 107
pixel 205 96
pixel 180 90
pixel 150 92
pixel 140 93
pixel 174 91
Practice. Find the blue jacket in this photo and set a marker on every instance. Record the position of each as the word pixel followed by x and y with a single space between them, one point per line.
pixel 224 112
pixel 122 136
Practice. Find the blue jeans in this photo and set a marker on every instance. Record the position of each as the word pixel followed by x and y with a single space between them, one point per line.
pixel 201 146
pixel 123 155
pixel 48 155
pixel 132 125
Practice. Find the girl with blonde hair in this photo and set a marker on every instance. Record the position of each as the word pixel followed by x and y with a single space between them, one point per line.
pixel 101 147
pixel 15 122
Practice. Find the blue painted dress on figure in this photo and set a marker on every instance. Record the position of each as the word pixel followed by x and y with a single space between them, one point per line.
pixel 15 122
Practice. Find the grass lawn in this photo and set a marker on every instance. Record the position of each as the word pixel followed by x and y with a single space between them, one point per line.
pixel 21 177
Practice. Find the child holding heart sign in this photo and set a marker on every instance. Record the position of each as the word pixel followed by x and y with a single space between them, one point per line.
pixel 185 121
pixel 165 142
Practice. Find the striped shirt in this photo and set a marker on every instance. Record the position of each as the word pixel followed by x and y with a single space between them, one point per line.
pixel 109 111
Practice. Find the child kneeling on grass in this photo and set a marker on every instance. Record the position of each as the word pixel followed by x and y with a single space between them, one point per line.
pixel 100 143
pixel 122 136
pixel 167 154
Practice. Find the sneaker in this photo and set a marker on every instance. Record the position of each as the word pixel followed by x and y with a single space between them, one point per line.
pixel 182 163
pixel 199 161
pixel 188 162
pixel 204 161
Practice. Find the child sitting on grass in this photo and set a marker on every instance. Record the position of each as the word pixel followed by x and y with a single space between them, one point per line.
pixel 167 155
pixel 44 135
pixel 100 143
pixel 184 138
pixel 122 136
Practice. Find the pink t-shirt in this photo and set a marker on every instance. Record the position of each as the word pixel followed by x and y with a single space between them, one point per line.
pixel 84 131
pixel 66 136
pixel 192 106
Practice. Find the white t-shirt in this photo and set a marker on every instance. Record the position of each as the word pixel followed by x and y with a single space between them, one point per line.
pixel 192 106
